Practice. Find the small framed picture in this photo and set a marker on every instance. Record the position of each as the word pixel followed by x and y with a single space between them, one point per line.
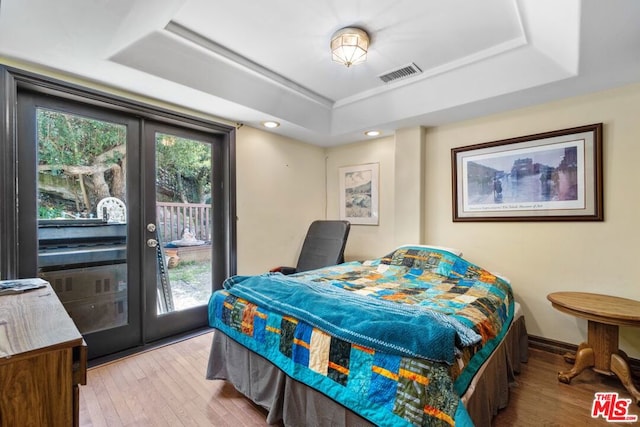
pixel 359 194
pixel 552 176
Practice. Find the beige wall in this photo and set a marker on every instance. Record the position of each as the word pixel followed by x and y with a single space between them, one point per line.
pixel 541 257
pixel 280 191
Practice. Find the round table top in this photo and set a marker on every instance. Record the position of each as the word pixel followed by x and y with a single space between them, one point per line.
pixel 602 308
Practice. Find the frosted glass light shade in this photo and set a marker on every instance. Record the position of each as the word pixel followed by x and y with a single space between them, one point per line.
pixel 349 46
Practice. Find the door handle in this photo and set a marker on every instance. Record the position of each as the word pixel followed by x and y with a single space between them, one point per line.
pixel 152 243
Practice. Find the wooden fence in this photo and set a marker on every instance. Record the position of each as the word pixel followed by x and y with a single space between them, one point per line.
pixel 174 218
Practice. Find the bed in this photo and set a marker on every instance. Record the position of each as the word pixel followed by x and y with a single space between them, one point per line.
pixel 420 336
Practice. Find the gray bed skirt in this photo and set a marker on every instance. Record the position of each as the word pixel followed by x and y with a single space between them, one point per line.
pixel 292 403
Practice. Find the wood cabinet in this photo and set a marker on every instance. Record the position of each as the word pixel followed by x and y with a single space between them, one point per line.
pixel 43 360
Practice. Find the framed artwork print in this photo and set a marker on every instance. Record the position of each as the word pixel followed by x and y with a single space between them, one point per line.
pixel 552 176
pixel 359 194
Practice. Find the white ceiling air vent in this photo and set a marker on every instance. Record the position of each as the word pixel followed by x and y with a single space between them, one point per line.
pixel 400 73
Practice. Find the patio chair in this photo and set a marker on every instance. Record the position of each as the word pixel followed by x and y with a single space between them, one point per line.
pixel 323 246
pixel 112 209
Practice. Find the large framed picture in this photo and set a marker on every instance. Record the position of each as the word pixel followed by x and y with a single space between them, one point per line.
pixel 552 176
pixel 359 194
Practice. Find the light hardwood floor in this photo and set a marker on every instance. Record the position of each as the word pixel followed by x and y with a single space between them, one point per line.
pixel 166 387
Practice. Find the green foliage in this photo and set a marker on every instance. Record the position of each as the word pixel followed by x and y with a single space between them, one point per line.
pixel 184 167
pixel 189 272
pixel 70 140
pixel 84 149
pixel 48 212
pixel 66 141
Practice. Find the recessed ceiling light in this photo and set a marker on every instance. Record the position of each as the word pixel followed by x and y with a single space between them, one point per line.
pixel 270 124
pixel 372 133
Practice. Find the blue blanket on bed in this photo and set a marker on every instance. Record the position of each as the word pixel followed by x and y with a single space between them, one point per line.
pixel 377 336
pixel 382 325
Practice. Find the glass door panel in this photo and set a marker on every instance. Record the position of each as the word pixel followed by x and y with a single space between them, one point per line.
pixel 82 216
pixel 75 219
pixel 184 222
pixel 179 173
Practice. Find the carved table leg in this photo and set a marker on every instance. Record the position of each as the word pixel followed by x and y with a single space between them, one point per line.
pixel 620 367
pixel 570 357
pixel 584 359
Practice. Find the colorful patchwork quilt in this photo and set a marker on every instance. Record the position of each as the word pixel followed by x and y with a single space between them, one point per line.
pixel 396 339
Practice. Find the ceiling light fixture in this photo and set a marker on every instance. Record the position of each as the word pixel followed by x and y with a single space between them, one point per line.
pixel 270 124
pixel 349 46
pixel 372 133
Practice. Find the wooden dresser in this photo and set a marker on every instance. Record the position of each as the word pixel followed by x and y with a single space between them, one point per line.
pixel 43 360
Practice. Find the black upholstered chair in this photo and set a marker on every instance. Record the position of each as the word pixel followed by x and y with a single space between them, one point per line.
pixel 323 246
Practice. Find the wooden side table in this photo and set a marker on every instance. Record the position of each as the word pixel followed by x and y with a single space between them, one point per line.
pixel 604 314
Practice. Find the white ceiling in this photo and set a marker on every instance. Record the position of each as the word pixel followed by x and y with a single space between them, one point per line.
pixel 248 61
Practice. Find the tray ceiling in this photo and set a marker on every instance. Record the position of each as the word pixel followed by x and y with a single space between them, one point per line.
pixel 248 61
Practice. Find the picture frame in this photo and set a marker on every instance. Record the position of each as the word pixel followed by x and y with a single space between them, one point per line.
pixel 359 188
pixel 551 176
